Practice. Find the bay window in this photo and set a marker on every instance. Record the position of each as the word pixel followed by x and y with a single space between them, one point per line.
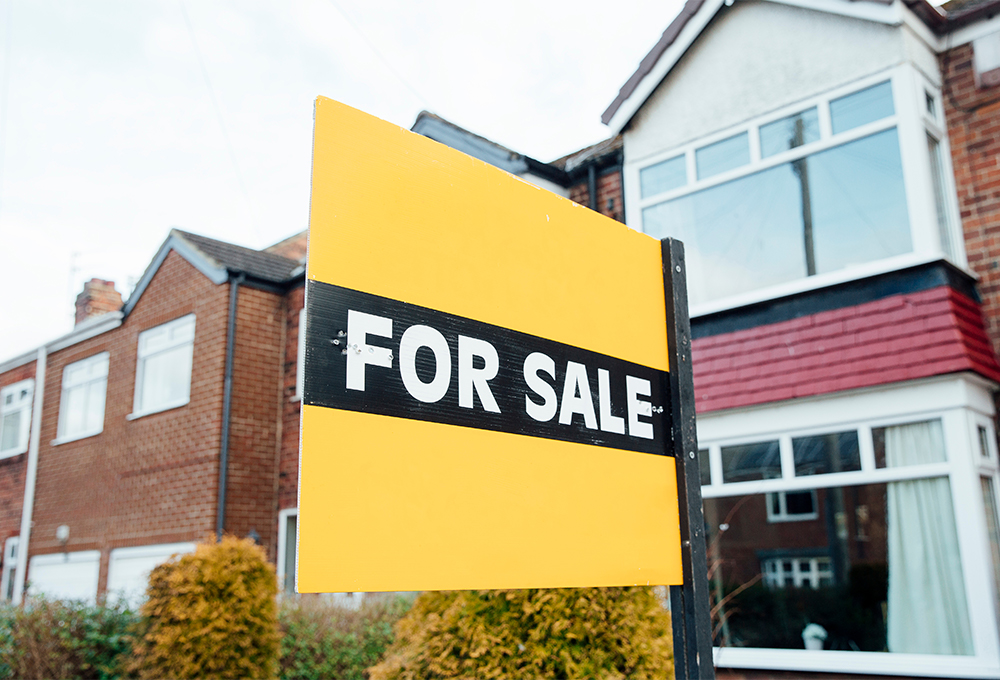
pixel 832 188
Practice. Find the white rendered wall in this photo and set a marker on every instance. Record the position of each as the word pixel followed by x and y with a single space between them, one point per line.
pixel 755 57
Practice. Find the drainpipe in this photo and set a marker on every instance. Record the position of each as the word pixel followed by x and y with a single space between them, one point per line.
pixel 592 187
pixel 28 506
pixel 227 403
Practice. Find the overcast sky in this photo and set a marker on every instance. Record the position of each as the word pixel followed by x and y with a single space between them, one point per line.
pixel 120 120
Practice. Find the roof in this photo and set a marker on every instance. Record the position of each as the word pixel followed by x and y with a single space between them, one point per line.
pixel 444 131
pixel 951 16
pixel 592 154
pixel 901 337
pixel 236 259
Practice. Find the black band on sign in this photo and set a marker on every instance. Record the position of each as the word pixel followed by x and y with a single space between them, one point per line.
pixel 377 355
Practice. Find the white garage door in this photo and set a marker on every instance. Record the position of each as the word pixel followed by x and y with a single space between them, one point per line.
pixel 65 576
pixel 128 570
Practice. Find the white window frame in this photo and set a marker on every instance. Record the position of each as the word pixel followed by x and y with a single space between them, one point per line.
pixel 26 406
pixel 782 515
pixel 9 566
pixel 818 568
pixel 912 125
pixel 141 356
pixel 61 436
pixel 962 403
pixel 283 516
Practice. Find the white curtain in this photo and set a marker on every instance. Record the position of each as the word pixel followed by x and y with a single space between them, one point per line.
pixel 927 609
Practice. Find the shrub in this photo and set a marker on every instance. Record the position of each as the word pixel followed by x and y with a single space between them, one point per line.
pixel 211 614
pixel 599 633
pixel 53 639
pixel 324 640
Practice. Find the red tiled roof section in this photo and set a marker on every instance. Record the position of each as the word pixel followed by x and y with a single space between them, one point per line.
pixel 902 337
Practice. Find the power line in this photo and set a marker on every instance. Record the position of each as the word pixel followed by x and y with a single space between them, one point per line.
pixel 221 120
pixel 381 57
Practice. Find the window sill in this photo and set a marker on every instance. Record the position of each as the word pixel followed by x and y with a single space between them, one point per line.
pixel 161 409
pixel 13 452
pixel 76 437
pixel 295 398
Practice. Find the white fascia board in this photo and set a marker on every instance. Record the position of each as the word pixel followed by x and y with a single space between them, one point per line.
pixel 971 32
pixel 215 273
pixel 869 11
pixel 666 62
pixel 83 331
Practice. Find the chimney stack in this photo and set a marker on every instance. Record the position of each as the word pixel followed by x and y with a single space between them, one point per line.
pixel 98 297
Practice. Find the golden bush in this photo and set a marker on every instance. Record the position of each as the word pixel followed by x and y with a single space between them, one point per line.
pixel 593 633
pixel 211 614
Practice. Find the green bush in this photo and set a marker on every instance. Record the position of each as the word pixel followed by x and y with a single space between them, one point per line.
pixel 211 614
pixel 53 639
pixel 593 633
pixel 323 640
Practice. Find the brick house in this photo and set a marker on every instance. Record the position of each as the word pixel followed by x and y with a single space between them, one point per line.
pixel 832 169
pixel 175 415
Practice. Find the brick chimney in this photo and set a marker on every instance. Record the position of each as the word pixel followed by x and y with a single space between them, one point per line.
pixel 98 297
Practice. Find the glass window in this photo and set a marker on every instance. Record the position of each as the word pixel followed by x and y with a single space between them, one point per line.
pixel 703 463
pixel 912 453
pixel 662 177
pixel 877 570
pixel 163 374
pixel 81 406
pixel 747 462
pixel 15 417
pixel 940 204
pixel 984 441
pixel 723 155
pixel 993 534
pixel 791 506
pixel 822 213
pixel 789 133
pixel 856 109
pixel 288 553
pixel 7 575
pixel 826 453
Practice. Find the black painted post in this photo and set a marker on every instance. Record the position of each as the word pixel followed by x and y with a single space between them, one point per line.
pixel 689 603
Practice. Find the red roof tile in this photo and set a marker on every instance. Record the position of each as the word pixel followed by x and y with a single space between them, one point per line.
pixel 902 337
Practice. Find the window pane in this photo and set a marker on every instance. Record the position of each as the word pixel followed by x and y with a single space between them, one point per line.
pixel 166 378
pixel 789 133
pixel 725 155
pixel 866 106
pixel 826 212
pixel 291 527
pixel 826 453
pixel 993 533
pixel 984 444
pixel 95 405
pixel 800 502
pixel 73 410
pixel 703 463
pixel 10 431
pixel 941 209
pixel 751 461
pixel 664 176
pixel 853 570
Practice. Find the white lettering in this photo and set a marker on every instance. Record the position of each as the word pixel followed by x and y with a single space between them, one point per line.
pixel 359 352
pixel 609 422
pixel 638 407
pixel 545 411
pixel 413 339
pixel 576 382
pixel 470 378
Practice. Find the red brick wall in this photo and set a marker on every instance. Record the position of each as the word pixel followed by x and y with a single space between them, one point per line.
pixel 973 119
pixel 609 187
pixel 12 469
pixel 254 422
pixel 288 475
pixel 153 479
